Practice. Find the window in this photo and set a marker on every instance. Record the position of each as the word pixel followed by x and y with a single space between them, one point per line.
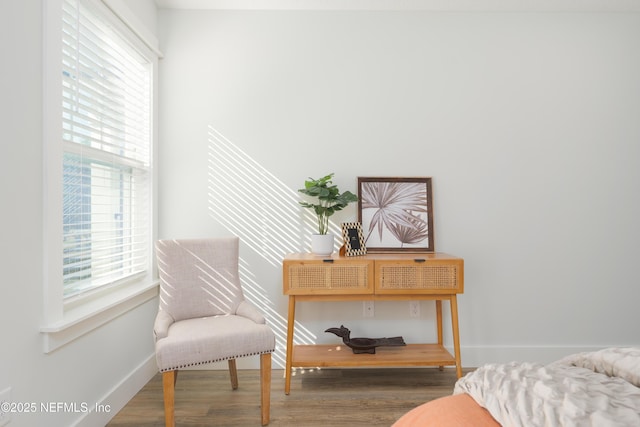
pixel 106 111
pixel 99 110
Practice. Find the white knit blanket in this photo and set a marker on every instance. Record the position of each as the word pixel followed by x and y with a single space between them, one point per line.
pixel 598 389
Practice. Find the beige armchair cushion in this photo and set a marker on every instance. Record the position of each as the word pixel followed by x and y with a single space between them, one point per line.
pixel 164 320
pixel 190 342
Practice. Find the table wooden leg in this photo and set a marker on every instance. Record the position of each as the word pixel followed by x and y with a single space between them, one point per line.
pixel 439 325
pixel 289 362
pixel 456 334
pixel 439 320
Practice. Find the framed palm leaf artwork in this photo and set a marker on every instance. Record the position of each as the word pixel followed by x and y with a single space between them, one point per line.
pixel 396 214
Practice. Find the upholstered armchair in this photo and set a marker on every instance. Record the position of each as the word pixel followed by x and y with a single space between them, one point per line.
pixel 203 316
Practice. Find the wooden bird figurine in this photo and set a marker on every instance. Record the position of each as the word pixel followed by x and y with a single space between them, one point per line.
pixel 364 345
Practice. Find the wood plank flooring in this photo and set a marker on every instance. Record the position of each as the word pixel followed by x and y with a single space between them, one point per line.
pixel 318 398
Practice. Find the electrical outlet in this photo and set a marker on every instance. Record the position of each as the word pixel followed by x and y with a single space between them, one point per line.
pixel 5 401
pixel 367 308
pixel 414 308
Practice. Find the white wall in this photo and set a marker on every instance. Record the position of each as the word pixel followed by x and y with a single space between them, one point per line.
pixel 527 122
pixel 104 366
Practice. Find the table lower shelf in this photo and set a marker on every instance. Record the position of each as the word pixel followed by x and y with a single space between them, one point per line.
pixel 341 355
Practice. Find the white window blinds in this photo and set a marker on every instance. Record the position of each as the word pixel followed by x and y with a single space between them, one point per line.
pixel 106 121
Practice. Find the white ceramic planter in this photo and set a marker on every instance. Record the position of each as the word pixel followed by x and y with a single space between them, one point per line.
pixel 322 244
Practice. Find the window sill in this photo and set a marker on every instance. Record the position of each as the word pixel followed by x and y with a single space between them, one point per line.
pixel 85 318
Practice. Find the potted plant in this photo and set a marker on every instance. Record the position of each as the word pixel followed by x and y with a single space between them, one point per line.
pixel 328 201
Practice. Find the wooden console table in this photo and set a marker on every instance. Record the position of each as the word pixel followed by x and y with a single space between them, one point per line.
pixel 398 276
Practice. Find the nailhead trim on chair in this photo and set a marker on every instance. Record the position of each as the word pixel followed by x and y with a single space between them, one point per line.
pixel 213 361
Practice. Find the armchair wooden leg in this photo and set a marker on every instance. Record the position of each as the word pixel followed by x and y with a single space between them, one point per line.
pixel 169 389
pixel 233 372
pixel 265 387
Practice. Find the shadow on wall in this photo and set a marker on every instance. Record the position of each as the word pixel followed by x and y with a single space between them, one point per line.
pixel 256 206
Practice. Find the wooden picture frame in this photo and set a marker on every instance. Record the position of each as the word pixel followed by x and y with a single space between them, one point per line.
pixel 396 214
pixel 353 239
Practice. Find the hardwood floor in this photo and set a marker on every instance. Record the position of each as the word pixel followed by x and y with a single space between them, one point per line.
pixel 318 398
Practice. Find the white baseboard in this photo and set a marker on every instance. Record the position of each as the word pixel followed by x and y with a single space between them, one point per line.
pixel 474 356
pixel 120 394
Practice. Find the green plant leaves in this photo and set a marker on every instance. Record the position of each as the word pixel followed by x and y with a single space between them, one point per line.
pixel 329 199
